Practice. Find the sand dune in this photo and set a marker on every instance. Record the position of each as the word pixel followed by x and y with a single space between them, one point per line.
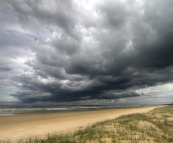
pixel 17 126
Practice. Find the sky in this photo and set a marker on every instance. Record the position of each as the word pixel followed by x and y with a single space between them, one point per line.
pixel 86 51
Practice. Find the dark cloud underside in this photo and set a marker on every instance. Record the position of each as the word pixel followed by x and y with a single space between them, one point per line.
pixel 73 53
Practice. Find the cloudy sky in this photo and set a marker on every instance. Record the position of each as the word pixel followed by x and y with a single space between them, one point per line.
pixel 86 51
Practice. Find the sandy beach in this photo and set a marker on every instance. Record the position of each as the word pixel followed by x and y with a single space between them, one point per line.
pixel 16 126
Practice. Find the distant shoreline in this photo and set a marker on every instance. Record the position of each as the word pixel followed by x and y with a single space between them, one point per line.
pixel 13 110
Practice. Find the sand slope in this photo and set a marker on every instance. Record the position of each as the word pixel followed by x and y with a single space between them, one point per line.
pixel 17 126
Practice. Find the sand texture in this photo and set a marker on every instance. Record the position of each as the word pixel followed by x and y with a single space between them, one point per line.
pixel 21 125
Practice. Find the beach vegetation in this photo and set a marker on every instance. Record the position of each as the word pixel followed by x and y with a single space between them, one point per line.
pixel 155 126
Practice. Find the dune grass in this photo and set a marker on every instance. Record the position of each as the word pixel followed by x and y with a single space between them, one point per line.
pixel 155 126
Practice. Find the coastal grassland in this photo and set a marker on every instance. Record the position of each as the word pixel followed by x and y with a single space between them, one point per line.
pixel 155 126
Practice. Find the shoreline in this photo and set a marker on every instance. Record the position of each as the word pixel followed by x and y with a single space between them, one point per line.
pixel 13 111
pixel 19 125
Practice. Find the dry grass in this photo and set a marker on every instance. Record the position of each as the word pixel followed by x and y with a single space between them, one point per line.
pixel 155 126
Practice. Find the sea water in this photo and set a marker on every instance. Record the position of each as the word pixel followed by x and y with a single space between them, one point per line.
pixel 11 110
pixel 8 110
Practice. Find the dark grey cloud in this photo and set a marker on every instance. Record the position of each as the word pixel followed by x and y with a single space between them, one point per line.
pixel 33 15
pixel 6 68
pixel 114 14
pixel 73 54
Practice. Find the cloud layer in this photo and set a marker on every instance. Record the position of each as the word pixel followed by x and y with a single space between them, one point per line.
pixel 82 50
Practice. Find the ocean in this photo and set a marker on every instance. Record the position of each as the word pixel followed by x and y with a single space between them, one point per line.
pixel 11 110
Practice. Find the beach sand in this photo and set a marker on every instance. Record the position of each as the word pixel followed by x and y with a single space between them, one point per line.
pixel 22 125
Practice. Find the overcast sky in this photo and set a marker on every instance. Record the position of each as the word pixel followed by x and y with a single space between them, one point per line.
pixel 86 51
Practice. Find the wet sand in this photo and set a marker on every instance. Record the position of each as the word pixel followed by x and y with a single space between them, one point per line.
pixel 16 126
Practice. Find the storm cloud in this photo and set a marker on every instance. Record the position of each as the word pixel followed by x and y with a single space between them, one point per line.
pixel 82 50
